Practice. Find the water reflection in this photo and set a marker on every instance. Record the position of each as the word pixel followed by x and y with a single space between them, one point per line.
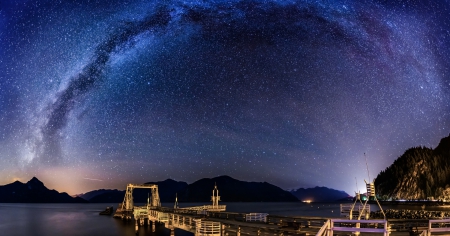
pixel 83 219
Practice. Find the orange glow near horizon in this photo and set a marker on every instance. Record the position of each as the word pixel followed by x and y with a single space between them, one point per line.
pixel 69 180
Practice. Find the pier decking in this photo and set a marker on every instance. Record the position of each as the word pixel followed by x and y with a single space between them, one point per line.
pixel 213 220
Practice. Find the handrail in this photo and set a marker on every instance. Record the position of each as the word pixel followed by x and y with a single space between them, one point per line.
pixel 329 227
pixel 324 228
pixel 351 211
pixel 203 227
pixel 261 217
pixel 358 221
pixel 440 229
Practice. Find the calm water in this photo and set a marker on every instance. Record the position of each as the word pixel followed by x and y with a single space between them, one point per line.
pixel 83 219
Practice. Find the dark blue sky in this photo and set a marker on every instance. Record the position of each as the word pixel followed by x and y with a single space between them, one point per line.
pixel 96 94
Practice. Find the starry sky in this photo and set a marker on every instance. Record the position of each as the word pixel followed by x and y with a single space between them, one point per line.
pixel 99 93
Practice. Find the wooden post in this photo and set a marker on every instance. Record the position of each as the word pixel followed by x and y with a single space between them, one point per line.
pixel 386 228
pixel 329 223
pixel 136 227
pixel 238 231
pixel 357 226
pixel 331 227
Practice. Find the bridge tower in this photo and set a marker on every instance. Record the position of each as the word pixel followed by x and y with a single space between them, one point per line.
pixel 215 198
pixel 128 204
pixel 128 200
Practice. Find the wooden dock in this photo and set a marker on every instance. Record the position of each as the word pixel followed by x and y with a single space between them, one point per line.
pixel 213 220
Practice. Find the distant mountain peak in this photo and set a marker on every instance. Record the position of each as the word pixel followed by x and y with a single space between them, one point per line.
pixel 35 183
pixel 33 191
pixel 319 194
pixel 233 190
pixel 223 177
pixel 167 181
pixel 34 179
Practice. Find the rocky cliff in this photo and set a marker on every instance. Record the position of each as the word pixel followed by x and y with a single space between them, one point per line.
pixel 420 173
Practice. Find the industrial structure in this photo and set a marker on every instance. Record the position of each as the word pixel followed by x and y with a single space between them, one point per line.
pixel 213 220
pixel 189 218
pixel 126 209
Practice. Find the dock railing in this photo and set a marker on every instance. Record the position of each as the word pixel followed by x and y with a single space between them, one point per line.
pixel 329 227
pixel 256 217
pixel 325 230
pixel 347 212
pixel 207 228
pixel 443 226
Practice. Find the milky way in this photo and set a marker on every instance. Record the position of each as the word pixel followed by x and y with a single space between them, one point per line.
pixel 289 92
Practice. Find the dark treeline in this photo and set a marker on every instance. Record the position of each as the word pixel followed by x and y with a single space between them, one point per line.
pixel 420 173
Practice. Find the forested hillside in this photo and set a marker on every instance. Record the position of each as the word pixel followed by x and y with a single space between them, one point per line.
pixel 420 173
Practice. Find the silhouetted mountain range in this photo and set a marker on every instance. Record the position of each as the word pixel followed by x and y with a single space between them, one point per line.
pixel 420 173
pixel 167 190
pixel 320 194
pixel 232 190
pixel 108 196
pixel 92 194
pixel 34 191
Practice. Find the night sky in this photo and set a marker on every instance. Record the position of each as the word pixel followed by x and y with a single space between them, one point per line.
pixel 97 94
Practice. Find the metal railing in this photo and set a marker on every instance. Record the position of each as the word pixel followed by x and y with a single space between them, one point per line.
pixel 206 208
pixel 207 228
pixel 325 229
pixel 443 226
pixel 184 222
pixel 257 217
pixel 328 228
pixel 347 212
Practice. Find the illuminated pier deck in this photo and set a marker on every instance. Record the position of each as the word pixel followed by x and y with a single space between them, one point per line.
pixel 213 220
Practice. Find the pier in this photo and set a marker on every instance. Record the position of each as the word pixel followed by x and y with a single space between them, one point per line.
pixel 214 220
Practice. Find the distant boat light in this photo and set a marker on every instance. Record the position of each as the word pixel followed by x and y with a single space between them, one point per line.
pixel 307 201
